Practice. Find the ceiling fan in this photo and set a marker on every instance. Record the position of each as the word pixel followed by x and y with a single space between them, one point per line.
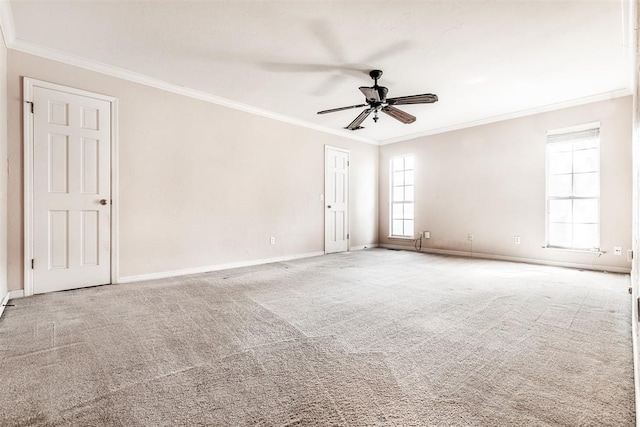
pixel 376 97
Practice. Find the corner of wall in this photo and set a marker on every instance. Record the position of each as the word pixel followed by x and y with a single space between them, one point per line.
pixel 4 293
pixel 635 217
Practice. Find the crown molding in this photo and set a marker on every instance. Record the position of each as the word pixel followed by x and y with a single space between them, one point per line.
pixel 121 73
pixel 8 31
pixel 6 23
pixel 517 114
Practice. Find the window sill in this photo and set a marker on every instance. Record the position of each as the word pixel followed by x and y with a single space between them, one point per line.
pixel 400 238
pixel 580 251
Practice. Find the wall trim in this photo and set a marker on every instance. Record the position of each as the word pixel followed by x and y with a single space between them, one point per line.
pixel 216 267
pixel 3 304
pixel 6 23
pixel 515 115
pixel 480 255
pixel 121 73
pixel 16 294
pixel 9 296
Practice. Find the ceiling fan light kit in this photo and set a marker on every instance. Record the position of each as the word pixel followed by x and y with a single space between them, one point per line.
pixel 376 97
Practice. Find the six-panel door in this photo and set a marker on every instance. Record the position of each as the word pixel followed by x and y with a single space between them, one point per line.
pixel 71 191
pixel 337 200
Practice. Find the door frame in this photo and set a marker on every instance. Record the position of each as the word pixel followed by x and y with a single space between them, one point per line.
pixel 28 85
pixel 324 204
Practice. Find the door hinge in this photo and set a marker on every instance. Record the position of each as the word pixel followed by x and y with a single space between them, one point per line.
pixel 348 162
pixel 347 236
pixel 33 261
pixel 31 103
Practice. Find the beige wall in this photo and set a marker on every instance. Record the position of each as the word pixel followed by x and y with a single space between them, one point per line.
pixel 490 181
pixel 201 184
pixel 3 168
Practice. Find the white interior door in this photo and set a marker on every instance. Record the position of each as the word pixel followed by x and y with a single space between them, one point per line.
pixel 71 191
pixel 336 200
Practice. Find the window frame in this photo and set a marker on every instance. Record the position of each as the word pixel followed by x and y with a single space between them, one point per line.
pixel 404 201
pixel 572 198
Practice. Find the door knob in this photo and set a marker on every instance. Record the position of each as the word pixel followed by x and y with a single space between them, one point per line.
pixel 103 202
pixel 328 206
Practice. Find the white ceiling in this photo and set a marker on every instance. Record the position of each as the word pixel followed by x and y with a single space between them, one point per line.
pixel 485 59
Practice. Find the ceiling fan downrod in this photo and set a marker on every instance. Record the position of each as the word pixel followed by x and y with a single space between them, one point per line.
pixel 375 75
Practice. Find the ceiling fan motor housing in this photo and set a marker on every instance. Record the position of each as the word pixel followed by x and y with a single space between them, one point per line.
pixel 382 93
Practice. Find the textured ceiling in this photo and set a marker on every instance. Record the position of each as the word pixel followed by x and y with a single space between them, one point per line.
pixel 484 59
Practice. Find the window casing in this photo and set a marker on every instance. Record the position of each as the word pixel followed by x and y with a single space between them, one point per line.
pixel 573 188
pixel 402 201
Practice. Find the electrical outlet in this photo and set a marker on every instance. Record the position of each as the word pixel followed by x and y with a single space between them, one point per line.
pixel 516 240
pixel 427 234
pixel 470 237
pixel 273 240
pixel 617 250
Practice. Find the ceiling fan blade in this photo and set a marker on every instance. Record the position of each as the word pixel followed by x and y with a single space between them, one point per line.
pixel 333 110
pixel 354 125
pixel 370 93
pixel 399 115
pixel 427 98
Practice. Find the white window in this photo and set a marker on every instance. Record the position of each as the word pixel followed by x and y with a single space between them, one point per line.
pixel 402 196
pixel 573 187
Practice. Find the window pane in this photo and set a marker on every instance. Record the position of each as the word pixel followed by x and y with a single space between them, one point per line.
pixel 585 236
pixel 560 185
pixel 408 162
pixel 585 160
pixel 398 164
pixel 408 177
pixel 402 214
pixel 558 147
pixel 396 228
pixel 560 235
pixel 408 211
pixel 585 210
pixel 560 210
pixel 586 184
pixel 560 163
pixel 580 144
pixel 573 188
pixel 397 211
pixel 408 228
pixel 398 194
pixel 408 193
pixel 398 178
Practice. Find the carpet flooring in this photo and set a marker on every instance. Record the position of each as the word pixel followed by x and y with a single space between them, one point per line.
pixel 370 338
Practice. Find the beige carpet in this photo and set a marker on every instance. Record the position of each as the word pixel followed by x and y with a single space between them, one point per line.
pixel 372 338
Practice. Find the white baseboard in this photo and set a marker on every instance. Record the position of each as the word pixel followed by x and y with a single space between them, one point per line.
pixel 594 267
pixel 217 267
pixel 16 294
pixel 5 300
pixel 361 247
pixel 10 295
